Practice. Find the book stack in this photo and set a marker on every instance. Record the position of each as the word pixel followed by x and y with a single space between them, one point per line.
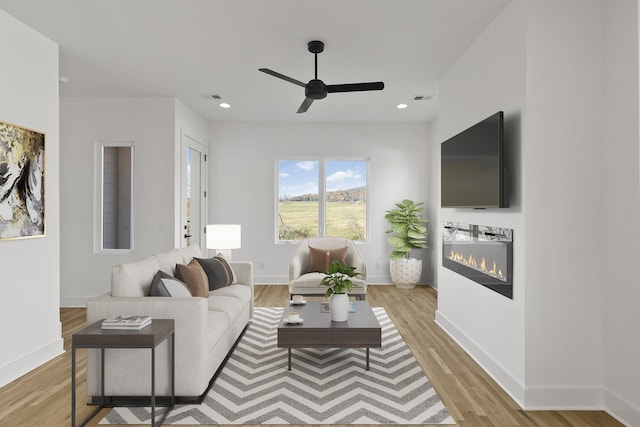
pixel 325 307
pixel 133 323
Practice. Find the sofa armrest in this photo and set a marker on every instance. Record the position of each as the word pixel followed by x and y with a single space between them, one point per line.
pixel 295 268
pixel 108 305
pixel 244 275
pixel 190 313
pixel 191 345
pixel 243 271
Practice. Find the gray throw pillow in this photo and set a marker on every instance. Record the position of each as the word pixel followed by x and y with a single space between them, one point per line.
pixel 219 272
pixel 164 285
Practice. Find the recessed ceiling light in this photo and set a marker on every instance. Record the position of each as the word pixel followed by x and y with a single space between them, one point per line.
pixel 401 106
pixel 225 105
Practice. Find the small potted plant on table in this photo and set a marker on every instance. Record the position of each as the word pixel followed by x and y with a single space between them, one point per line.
pixel 408 233
pixel 338 281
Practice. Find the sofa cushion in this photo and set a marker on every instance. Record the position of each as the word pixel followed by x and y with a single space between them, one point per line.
pixel 195 278
pixel 189 253
pixel 216 328
pixel 241 292
pixel 133 279
pixel 320 259
pixel 231 306
pixel 168 260
pixel 165 285
pixel 219 273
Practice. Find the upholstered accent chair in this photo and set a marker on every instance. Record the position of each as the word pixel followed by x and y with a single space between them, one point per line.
pixel 312 258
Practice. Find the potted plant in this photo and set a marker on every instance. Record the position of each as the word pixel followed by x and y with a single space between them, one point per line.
pixel 338 281
pixel 409 233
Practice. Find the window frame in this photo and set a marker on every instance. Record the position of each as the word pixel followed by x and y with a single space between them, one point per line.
pixel 98 226
pixel 322 194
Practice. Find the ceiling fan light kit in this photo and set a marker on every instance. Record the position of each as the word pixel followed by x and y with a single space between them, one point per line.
pixel 316 88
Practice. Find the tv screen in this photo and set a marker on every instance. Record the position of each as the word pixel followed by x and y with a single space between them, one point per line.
pixel 471 167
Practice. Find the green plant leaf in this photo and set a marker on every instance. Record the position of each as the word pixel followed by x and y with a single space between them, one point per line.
pixel 406 224
pixel 338 278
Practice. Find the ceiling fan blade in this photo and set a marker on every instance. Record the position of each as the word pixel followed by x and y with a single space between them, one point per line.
pixel 305 105
pixel 355 87
pixel 282 76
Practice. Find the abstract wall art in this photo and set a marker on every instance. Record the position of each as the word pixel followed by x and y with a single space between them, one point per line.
pixel 21 182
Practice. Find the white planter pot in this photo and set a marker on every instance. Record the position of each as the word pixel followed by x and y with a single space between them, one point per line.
pixel 339 306
pixel 406 273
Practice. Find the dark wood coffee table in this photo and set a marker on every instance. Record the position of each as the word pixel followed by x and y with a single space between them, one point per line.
pixel 318 331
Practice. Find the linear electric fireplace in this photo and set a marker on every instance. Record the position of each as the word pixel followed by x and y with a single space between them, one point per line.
pixel 481 253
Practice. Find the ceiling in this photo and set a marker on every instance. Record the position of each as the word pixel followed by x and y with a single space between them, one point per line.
pixel 191 49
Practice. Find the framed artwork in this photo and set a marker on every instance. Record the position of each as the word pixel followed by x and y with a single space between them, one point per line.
pixel 21 182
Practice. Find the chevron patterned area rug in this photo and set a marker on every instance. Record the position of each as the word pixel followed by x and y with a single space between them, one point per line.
pixel 325 386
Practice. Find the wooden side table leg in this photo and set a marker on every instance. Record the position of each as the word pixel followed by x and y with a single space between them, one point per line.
pixel 73 387
pixel 153 386
pixel 102 350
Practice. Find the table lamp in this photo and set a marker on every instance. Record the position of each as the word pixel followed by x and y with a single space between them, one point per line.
pixel 223 238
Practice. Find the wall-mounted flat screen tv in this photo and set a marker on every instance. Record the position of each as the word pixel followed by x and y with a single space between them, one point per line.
pixel 472 173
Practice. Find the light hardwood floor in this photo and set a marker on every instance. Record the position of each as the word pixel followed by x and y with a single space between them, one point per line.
pixel 43 396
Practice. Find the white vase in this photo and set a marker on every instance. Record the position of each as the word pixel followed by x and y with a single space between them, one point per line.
pixel 339 306
pixel 406 273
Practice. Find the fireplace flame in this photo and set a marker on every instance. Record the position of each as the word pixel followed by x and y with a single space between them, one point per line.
pixel 471 262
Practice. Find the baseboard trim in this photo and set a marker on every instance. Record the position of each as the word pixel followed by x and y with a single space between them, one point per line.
pixel 621 410
pixel 500 375
pixel 542 398
pixel 74 302
pixel 564 399
pixel 29 362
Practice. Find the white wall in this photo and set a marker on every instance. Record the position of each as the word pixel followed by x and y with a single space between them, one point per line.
pixel 563 181
pixel 621 202
pixel 569 82
pixel 488 77
pixel 151 124
pixel 242 182
pixel 30 330
pixel 433 204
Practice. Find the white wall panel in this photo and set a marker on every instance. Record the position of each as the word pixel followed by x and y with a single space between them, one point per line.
pixel 242 182
pixel 30 330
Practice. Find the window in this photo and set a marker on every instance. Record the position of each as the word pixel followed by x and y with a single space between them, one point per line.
pixel 114 196
pixel 322 198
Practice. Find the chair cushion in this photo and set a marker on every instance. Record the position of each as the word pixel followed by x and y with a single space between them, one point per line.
pixel 320 259
pixel 195 278
pixel 309 284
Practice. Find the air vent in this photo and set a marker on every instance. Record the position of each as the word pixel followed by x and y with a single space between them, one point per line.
pixel 422 97
pixel 215 96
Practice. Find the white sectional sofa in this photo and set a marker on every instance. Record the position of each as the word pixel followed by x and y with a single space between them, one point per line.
pixel 206 329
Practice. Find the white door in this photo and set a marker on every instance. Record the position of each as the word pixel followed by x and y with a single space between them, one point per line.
pixel 193 193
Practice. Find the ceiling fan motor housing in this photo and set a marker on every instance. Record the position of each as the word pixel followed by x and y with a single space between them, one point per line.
pixel 315 89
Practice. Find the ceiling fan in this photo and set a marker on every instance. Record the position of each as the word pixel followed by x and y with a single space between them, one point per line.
pixel 316 89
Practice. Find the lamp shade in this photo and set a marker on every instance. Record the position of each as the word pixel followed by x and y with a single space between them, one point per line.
pixel 223 236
